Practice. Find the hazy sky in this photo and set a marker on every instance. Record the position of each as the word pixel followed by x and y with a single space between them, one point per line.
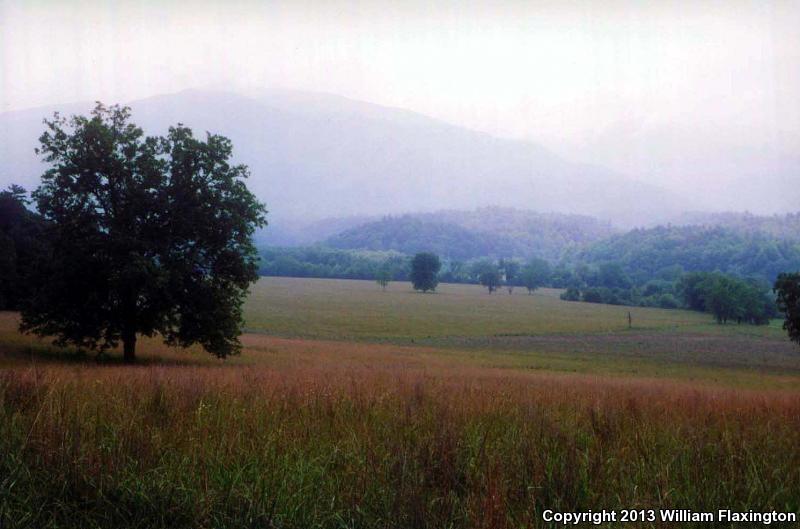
pixel 651 88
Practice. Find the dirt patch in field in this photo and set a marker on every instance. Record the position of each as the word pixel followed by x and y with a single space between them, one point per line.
pixel 706 349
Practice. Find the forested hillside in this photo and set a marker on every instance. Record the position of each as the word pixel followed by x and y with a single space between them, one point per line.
pixel 409 235
pixel 484 232
pixel 785 227
pixel 643 253
pixel 738 255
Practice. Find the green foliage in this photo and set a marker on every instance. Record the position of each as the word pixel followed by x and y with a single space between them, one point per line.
pixel 611 275
pixel 722 299
pixel 727 297
pixel 149 235
pixel 571 294
pixel 664 251
pixel 667 301
pixel 22 248
pixel 486 232
pixel 536 273
pixel 409 235
pixel 318 261
pixel 424 271
pixel 594 295
pixel 510 271
pixel 383 276
pixel 787 289
pixel 490 278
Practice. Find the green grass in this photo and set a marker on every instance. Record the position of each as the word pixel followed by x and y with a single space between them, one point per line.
pixel 524 331
pixel 359 310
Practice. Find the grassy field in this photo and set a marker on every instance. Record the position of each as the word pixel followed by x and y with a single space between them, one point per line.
pixel 359 310
pixel 352 407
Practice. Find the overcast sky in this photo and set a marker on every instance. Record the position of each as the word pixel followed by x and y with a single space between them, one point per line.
pixel 650 88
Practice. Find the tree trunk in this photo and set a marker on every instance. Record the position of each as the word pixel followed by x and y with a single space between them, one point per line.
pixel 129 347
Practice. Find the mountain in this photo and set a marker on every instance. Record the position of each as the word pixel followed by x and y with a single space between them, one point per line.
pixel 485 232
pixel 315 156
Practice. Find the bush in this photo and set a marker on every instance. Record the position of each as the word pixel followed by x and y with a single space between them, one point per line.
pixel 668 301
pixel 592 295
pixel 571 294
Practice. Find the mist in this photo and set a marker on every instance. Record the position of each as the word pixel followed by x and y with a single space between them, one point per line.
pixel 607 109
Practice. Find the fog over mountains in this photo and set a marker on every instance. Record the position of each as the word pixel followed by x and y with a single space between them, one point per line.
pixel 315 156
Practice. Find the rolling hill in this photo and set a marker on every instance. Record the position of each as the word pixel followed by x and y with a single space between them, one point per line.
pixel 492 231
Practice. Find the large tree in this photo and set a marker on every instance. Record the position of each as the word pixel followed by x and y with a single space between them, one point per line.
pixel 150 235
pixel 425 271
pixel 787 288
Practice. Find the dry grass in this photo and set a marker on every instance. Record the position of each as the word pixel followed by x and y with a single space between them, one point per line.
pixel 354 444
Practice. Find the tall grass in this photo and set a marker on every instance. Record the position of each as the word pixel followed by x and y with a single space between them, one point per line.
pixel 373 446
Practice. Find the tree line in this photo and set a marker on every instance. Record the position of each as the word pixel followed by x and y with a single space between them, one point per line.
pixel 729 297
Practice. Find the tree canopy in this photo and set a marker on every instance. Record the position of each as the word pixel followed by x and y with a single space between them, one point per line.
pixel 645 254
pixel 535 274
pixel 727 297
pixel 22 247
pixel 490 278
pixel 150 235
pixel 787 289
pixel 425 271
pixel 383 276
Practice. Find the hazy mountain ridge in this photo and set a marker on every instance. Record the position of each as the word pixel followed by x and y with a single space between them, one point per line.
pixel 491 231
pixel 739 243
pixel 410 234
pixel 316 156
pixel 784 227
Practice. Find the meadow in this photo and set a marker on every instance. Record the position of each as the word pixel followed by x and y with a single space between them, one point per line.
pixel 353 407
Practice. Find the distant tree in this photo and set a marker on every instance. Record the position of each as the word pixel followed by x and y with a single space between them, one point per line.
pixel 787 290
pixel 535 274
pixel 383 276
pixel 724 299
pixel 510 271
pixel 694 288
pixel 490 278
pixel 150 235
pixel 424 271
pixel 758 307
